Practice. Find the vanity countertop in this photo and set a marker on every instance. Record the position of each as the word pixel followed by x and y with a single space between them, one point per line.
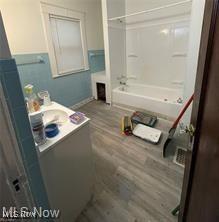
pixel 65 129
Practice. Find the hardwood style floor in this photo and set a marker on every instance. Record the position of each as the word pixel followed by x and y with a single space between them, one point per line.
pixel 133 183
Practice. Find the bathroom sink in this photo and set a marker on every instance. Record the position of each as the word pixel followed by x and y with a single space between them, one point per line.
pixel 55 116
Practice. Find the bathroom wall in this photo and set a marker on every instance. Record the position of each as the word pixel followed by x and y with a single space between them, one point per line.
pixel 117 44
pixel 157 43
pixel 154 44
pixel 193 53
pixel 24 29
pixel 157 52
pixel 117 41
pixel 67 90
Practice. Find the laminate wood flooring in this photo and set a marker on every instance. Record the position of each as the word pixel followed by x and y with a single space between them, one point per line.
pixel 133 183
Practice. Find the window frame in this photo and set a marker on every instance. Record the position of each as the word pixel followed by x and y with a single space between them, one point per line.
pixel 59 12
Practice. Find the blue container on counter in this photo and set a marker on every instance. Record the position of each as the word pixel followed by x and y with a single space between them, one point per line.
pixel 51 130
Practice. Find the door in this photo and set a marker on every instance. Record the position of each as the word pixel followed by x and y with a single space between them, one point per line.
pixel 200 194
pixel 14 187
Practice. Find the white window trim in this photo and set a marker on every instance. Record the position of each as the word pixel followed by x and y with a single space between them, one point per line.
pixel 51 10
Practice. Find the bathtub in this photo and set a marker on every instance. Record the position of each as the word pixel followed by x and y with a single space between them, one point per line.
pixel 163 101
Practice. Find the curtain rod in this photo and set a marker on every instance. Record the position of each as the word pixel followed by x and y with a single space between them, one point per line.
pixel 150 10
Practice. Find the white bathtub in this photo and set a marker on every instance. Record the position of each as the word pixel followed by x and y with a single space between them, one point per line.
pixel 154 99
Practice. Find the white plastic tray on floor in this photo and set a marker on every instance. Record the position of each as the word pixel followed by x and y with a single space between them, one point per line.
pixel 147 133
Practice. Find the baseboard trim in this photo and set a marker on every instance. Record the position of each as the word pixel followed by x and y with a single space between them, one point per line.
pixel 82 103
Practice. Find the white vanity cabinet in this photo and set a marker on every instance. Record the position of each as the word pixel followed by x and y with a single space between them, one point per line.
pixel 67 170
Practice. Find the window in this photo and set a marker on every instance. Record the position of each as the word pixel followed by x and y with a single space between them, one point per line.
pixel 66 40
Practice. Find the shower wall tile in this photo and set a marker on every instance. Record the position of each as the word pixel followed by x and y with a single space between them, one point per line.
pixel 96 60
pixel 37 186
pixel 66 90
pixel 3 85
pixel 13 90
pixel 7 65
pixel 21 122
pixel 28 155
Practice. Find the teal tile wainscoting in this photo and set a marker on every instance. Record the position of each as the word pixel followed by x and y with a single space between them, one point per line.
pixel 96 60
pixel 14 97
pixel 67 90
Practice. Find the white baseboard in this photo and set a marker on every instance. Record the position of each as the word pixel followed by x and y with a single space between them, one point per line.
pixel 82 103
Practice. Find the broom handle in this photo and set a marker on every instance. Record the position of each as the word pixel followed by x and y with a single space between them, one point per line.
pixel 182 112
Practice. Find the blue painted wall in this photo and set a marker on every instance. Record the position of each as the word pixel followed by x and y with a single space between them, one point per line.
pixel 67 90
pixel 14 97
